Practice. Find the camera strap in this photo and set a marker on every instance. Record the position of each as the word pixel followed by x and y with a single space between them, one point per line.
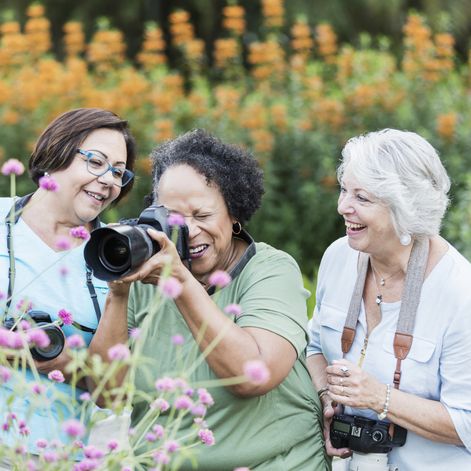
pixel 409 303
pixel 13 216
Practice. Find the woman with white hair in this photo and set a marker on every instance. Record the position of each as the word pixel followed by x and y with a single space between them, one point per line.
pixel 390 335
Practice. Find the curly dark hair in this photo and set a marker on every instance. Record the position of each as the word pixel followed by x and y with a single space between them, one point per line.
pixel 233 169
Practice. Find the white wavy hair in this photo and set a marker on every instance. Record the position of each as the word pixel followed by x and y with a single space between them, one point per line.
pixel 405 173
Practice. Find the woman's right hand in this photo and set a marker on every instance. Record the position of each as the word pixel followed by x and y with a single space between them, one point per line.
pixel 330 409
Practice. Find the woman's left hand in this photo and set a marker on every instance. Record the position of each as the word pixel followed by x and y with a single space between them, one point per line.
pixel 58 363
pixel 150 271
pixel 351 386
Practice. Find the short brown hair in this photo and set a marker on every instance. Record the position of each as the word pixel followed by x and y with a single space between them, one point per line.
pixel 58 144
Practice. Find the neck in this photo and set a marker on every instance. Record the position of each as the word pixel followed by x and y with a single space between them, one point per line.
pixel 53 220
pixel 388 263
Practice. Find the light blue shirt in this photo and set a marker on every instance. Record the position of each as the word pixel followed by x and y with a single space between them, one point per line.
pixel 438 366
pixel 39 280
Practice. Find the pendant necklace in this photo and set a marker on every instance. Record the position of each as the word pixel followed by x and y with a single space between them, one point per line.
pixel 382 282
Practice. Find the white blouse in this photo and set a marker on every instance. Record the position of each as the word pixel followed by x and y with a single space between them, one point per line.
pixel 438 366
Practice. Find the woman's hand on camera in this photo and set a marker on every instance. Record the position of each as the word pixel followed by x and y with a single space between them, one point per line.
pixel 349 385
pixel 331 408
pixel 151 270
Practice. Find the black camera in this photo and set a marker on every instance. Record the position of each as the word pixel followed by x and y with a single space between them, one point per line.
pixel 115 251
pixel 43 321
pixel 365 435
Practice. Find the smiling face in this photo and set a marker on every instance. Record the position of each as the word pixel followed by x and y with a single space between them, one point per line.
pixel 369 225
pixel 81 195
pixel 183 190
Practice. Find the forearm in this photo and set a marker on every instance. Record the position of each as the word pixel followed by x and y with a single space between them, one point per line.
pixel 425 417
pixel 231 346
pixel 316 365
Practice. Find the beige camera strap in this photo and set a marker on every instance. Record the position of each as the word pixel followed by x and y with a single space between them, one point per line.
pixel 409 303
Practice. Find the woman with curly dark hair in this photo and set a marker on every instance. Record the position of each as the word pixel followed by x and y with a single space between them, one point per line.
pixel 215 188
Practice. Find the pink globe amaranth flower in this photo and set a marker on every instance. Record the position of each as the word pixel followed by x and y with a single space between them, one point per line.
pixel 85 396
pixel 178 339
pixel 256 372
pixel 2 295
pixel 158 430
pixel 183 403
pixel 161 457
pixel 21 450
pixel 176 219
pixel 87 464
pixel 75 341
pixel 233 309
pixel 39 338
pixel 135 333
pixel 31 466
pixel 160 404
pixel 165 384
pixel 181 383
pixel 56 376
pixel 206 436
pixel 171 287
pixel 200 422
pixel 112 445
pixel 204 397
pixel 63 243
pixel 55 443
pixel 38 388
pixel 50 456
pixel 172 446
pixel 93 452
pixel 78 444
pixel 48 183
pixel 220 279
pixel 198 410
pixel 74 428
pixel 41 443
pixel 79 232
pixel 66 317
pixel 24 325
pixel 151 437
pixel 119 352
pixel 6 426
pixel 63 271
pixel 5 374
pixel 13 167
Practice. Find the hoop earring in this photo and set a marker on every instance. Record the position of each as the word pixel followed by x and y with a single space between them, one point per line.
pixel 405 239
pixel 236 228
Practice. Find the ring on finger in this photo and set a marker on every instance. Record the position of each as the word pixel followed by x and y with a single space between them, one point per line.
pixel 341 381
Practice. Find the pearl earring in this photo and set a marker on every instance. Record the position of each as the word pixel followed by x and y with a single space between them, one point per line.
pixel 405 239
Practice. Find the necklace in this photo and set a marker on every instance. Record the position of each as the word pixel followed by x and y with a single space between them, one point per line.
pixel 379 296
pixel 382 279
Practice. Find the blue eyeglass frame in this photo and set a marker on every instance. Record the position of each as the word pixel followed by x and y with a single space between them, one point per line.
pixel 127 173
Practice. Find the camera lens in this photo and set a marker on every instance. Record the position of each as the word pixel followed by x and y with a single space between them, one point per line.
pixel 55 347
pixel 114 253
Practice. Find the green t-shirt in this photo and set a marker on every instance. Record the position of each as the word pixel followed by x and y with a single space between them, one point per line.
pixel 281 430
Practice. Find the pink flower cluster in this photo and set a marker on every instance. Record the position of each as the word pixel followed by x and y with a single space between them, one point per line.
pixel 10 339
pixel 233 309
pixel 66 317
pixel 256 372
pixel 206 436
pixel 171 288
pixel 56 376
pixel 74 428
pixel 13 167
pixel 176 219
pixel 79 232
pixel 219 279
pixel 119 352
pixel 48 183
pixel 75 341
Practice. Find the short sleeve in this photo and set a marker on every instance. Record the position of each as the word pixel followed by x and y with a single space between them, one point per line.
pixel 314 345
pixel 273 298
pixel 455 374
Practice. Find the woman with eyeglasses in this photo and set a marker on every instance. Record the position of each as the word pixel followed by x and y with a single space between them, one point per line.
pixel 87 157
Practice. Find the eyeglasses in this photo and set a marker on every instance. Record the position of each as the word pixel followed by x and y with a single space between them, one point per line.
pixel 98 165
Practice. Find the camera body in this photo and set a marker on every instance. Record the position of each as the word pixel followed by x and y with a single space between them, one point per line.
pixel 117 250
pixel 43 321
pixel 365 435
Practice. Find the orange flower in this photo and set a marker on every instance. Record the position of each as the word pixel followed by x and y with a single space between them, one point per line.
pixel 164 130
pixel 233 19
pixel 279 116
pixel 326 41
pixel 273 12
pixel 35 10
pixel 262 140
pixel 446 124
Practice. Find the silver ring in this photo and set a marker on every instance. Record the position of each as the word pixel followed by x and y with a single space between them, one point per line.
pixel 345 371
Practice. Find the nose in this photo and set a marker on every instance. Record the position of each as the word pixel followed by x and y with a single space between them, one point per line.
pixel 344 205
pixel 193 228
pixel 107 178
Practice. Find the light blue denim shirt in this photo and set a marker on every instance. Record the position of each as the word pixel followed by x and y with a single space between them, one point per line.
pixel 438 366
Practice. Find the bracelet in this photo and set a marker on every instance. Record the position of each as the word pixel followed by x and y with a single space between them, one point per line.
pixel 385 411
pixel 322 392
